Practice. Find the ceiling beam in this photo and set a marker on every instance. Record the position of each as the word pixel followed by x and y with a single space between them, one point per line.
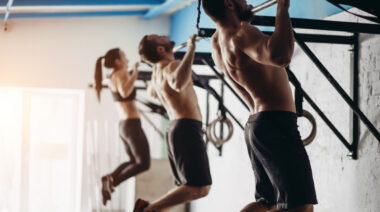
pixel 74 9
pixel 168 7
pixel 84 2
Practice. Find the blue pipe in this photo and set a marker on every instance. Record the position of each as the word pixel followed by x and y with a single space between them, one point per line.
pixel 158 10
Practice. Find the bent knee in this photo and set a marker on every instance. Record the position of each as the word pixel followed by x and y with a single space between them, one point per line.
pixel 201 191
pixel 144 165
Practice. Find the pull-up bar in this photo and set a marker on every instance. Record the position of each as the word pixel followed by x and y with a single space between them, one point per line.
pixel 264 5
pixel 258 8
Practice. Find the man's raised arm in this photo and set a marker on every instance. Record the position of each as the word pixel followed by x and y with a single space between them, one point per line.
pixel 181 76
pixel 277 49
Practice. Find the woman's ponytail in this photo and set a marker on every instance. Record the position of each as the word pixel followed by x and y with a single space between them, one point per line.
pixel 98 77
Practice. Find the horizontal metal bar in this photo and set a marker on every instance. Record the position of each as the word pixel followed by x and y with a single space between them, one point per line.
pixel 198 57
pixel 147 75
pixel 78 8
pixel 313 38
pixel 321 25
pixel 91 85
pixel 264 5
pixel 184 44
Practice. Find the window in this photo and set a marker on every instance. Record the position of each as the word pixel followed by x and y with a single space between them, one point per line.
pixel 40 149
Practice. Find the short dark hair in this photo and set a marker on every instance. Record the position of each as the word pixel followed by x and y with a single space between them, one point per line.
pixel 215 8
pixel 148 50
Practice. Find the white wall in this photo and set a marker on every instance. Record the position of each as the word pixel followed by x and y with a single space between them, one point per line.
pixel 61 53
pixel 342 184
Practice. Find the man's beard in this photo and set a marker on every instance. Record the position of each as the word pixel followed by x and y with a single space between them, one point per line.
pixel 243 14
pixel 169 47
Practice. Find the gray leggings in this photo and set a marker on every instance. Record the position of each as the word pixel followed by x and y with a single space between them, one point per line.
pixel 137 148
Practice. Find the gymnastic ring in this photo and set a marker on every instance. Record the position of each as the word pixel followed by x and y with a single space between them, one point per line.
pixel 211 131
pixel 214 139
pixel 209 135
pixel 306 141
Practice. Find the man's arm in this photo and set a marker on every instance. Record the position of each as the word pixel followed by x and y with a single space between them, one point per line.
pixel 181 76
pixel 275 50
pixel 126 83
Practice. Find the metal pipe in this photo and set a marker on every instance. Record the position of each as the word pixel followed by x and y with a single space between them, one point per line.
pixel 184 44
pixel 336 85
pixel 75 9
pixel 303 23
pixel 264 5
pixel 313 38
pixel 221 130
pixel 355 95
pixel 7 13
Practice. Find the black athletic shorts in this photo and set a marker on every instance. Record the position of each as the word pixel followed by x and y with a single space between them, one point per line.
pixel 279 160
pixel 187 153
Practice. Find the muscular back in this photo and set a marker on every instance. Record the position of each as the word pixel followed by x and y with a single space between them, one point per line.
pixel 178 103
pixel 263 85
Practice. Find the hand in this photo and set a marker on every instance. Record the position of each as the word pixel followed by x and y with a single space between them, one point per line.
pixel 191 41
pixel 283 3
pixel 135 68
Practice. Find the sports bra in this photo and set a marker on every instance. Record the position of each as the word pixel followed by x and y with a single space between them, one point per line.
pixel 118 98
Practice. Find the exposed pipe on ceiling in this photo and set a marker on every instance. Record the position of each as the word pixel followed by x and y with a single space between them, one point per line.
pixel 74 9
pixel 168 7
pixel 7 13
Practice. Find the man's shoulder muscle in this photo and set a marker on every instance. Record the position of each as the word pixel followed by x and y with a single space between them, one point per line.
pixel 172 66
pixel 248 34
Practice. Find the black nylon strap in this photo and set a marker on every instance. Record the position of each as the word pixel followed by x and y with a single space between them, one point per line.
pixel 298 96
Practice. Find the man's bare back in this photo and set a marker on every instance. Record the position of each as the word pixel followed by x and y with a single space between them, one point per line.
pixel 255 64
pixel 263 86
pixel 178 103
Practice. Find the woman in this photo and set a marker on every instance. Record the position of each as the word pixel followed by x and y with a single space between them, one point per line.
pixel 123 92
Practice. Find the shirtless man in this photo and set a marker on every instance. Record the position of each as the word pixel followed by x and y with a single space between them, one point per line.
pixel 255 64
pixel 172 83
